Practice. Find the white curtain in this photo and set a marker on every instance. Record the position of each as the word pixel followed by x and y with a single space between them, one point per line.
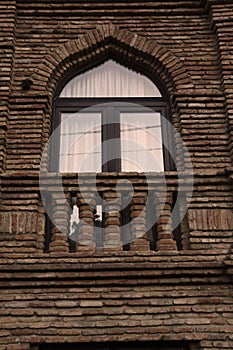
pixel 141 142
pixel 80 142
pixel 80 133
pixel 110 80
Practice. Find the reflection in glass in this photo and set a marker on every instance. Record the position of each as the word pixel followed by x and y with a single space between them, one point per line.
pixel 80 142
pixel 141 142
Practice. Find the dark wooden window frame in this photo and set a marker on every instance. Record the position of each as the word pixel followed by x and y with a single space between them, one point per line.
pixel 110 130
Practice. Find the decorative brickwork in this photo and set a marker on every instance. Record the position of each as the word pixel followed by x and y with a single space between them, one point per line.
pixel 120 44
pixel 7 48
pixel 223 36
pixel 179 290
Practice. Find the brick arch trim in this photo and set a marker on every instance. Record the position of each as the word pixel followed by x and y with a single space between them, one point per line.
pixel 110 40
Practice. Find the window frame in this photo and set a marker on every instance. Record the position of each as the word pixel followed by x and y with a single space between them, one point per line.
pixel 73 105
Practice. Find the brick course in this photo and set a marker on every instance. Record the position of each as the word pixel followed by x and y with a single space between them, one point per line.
pixel 168 295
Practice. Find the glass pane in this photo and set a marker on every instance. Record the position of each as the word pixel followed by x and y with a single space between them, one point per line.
pixel 141 142
pixel 110 79
pixel 80 142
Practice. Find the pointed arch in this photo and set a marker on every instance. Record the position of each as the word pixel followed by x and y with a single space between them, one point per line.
pixel 110 41
pixel 110 79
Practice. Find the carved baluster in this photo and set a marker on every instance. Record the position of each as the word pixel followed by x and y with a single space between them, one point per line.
pixel 112 239
pixel 138 222
pixel 163 205
pixel 60 217
pixel 85 229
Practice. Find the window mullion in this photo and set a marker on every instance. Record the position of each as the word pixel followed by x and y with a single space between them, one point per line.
pixel 167 138
pixel 111 139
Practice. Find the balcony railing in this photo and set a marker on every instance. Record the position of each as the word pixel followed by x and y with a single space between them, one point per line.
pixel 114 212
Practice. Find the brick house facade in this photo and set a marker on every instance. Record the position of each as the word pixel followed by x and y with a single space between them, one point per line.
pixel 178 296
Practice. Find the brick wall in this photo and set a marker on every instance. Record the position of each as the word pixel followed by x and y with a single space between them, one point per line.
pixel 7 30
pixel 117 296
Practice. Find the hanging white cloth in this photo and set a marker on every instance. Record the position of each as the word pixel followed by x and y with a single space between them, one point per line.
pixel 140 133
pixel 80 142
pixel 110 79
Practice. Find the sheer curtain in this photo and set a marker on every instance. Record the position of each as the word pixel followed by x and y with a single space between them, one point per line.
pixel 80 133
pixel 80 142
pixel 110 80
pixel 141 142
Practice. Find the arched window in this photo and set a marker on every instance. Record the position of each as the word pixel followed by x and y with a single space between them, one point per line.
pixel 113 119
pixel 110 118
